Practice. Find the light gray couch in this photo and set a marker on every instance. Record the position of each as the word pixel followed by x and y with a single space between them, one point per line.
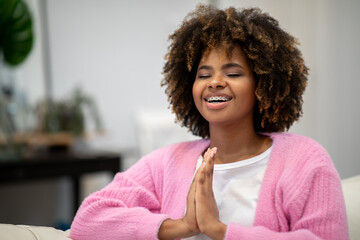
pixel 24 232
pixel 351 189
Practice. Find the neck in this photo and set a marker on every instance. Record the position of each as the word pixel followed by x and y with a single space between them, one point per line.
pixel 236 143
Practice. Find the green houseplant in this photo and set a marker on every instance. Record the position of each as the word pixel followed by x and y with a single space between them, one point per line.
pixel 67 115
pixel 16 42
pixel 16 32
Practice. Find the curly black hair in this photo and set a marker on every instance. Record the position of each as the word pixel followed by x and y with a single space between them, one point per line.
pixel 272 54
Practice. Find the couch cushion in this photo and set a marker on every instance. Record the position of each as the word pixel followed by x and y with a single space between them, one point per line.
pixel 25 232
pixel 351 189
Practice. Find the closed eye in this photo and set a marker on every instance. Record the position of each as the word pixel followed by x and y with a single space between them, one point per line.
pixel 233 75
pixel 204 76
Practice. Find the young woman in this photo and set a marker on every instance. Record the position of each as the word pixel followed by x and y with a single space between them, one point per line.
pixel 236 79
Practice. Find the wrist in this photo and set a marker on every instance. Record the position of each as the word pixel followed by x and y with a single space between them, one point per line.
pixel 216 231
pixel 171 229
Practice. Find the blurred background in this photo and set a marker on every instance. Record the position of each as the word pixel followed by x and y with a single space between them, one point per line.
pixel 105 57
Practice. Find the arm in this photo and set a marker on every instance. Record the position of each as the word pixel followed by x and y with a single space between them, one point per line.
pixel 128 208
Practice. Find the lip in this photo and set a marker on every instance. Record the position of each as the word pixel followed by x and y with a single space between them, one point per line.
pixel 217 106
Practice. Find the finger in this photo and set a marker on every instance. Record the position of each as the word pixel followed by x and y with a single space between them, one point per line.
pixel 200 178
pixel 203 168
pixel 192 186
pixel 207 154
pixel 192 189
pixel 191 197
pixel 213 153
pixel 198 175
pixel 205 178
pixel 205 172
pixel 210 154
pixel 209 161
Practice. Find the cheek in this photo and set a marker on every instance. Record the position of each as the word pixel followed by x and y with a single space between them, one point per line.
pixel 196 92
pixel 247 95
pixel 252 97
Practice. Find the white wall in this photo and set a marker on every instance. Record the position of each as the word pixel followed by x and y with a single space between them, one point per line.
pixel 114 50
pixel 338 82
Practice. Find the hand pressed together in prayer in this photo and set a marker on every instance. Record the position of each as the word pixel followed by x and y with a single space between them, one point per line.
pixel 207 214
pixel 202 215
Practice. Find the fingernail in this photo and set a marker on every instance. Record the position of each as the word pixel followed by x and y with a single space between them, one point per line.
pixel 214 150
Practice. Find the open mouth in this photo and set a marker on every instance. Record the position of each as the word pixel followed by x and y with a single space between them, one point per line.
pixel 217 99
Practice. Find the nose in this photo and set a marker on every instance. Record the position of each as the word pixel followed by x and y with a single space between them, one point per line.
pixel 216 82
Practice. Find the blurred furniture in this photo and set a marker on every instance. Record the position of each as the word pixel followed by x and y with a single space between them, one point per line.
pixel 156 128
pixel 24 232
pixel 48 165
pixel 351 189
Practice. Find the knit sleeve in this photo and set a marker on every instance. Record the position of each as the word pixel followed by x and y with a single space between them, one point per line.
pixel 318 216
pixel 128 208
pixel 309 203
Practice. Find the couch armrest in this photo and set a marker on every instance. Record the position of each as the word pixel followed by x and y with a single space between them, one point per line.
pixel 25 232
pixel 351 189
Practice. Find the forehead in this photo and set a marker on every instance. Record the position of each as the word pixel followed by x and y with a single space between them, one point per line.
pixel 223 54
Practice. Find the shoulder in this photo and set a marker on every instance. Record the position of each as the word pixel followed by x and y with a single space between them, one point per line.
pixel 297 144
pixel 292 138
pixel 298 153
pixel 299 158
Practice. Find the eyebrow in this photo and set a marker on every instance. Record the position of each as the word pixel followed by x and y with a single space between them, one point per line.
pixel 225 66
pixel 230 65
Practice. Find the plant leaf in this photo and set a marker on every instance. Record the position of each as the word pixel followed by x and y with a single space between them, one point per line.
pixel 16 33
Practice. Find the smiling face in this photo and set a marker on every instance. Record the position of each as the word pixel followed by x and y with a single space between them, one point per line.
pixel 224 89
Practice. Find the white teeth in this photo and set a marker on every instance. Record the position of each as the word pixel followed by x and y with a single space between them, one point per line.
pixel 217 98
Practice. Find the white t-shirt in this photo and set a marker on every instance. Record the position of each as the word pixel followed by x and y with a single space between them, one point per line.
pixel 236 188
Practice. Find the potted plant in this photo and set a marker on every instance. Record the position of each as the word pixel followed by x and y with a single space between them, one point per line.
pixel 65 120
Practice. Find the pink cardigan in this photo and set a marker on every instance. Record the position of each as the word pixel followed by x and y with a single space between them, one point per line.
pixel 300 197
